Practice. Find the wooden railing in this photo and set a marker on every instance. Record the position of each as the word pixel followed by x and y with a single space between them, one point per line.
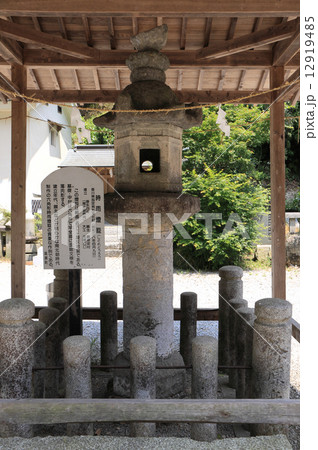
pixel 50 411
pixel 203 315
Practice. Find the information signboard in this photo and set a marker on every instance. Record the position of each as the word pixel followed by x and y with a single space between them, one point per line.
pixel 73 219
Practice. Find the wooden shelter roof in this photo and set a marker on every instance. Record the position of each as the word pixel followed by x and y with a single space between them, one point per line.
pixel 75 51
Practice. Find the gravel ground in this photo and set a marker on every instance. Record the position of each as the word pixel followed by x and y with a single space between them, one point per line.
pixel 257 285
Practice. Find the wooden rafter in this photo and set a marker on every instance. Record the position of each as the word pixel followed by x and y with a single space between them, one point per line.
pixel 55 80
pixel 288 91
pixel 241 81
pixel 24 34
pixel 183 33
pixel 110 96
pixel 200 80
pixel 159 21
pixel 3 98
pixel 8 84
pixel 257 23
pixel 88 34
pixel 77 82
pixel 295 97
pixel 231 31
pixel 248 41
pixel 96 79
pixel 262 80
pixel 117 59
pixel 34 78
pixel 117 79
pixel 134 25
pixel 110 25
pixel 207 31
pixel 179 80
pixel 145 8
pixel 285 50
pixel 36 23
pixel 221 80
pixel 62 27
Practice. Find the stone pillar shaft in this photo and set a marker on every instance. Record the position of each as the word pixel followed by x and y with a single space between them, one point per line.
pixel 188 325
pixel 234 305
pixel 148 290
pixel 108 326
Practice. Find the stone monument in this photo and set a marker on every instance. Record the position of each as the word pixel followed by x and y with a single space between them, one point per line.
pixel 148 201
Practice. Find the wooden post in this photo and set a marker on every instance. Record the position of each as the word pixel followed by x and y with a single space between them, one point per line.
pixel 75 299
pixel 18 185
pixel 277 158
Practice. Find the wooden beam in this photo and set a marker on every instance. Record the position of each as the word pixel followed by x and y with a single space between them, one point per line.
pixel 295 97
pixel 24 34
pixel 18 185
pixel 145 8
pixel 230 34
pixel 287 91
pixel 88 34
pixel 207 31
pixel 252 40
pixel 259 59
pixel 241 81
pixel 3 98
pixel 8 84
pixel 55 80
pixel 284 51
pixel 277 163
pixel 183 33
pixel 110 96
pixel 159 21
pixel 49 411
pixel 111 31
pixel 11 51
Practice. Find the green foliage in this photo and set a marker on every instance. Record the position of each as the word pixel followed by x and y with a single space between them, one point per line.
pixel 294 204
pixel 101 135
pixel 239 200
pixel 5 216
pixel 38 222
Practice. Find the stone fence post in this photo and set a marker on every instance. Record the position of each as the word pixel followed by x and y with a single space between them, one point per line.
pixel 143 378
pixel 39 359
pixel 188 325
pixel 204 381
pixel 234 305
pixel 49 316
pixel 271 355
pixel 77 373
pixel 244 331
pixel 108 327
pixel 16 338
pixel 230 286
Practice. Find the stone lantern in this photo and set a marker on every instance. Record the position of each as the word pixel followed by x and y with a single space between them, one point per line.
pixel 148 171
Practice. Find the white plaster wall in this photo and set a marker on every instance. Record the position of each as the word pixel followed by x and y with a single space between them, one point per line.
pixel 42 159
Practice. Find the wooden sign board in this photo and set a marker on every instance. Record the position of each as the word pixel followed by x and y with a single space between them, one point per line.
pixel 73 219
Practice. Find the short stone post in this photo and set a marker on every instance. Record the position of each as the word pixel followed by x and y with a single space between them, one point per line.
pixel 188 325
pixel 61 304
pixel 244 348
pixel 234 305
pixel 39 359
pixel 271 355
pixel 230 286
pixel 108 326
pixel 49 316
pixel 204 381
pixel 77 372
pixel 60 283
pixel 143 378
pixel 16 339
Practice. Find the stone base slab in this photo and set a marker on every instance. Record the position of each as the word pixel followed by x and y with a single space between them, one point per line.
pixel 160 443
